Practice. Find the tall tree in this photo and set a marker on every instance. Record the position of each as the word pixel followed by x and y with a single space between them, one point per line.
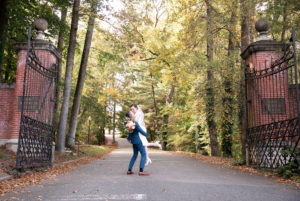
pixel 68 78
pixel 154 103
pixel 15 18
pixel 114 120
pixel 284 23
pixel 60 45
pixel 245 41
pixel 165 122
pixel 3 26
pixel 228 96
pixel 210 94
pixel 81 75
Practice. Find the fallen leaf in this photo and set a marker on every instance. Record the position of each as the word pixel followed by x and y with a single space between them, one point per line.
pixel 14 198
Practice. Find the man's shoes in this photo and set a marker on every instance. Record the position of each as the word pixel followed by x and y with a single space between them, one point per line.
pixel 143 174
pixel 130 172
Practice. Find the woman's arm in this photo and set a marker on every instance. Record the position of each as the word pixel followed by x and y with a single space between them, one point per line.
pixel 139 129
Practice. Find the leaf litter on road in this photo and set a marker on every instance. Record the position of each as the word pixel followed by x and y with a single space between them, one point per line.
pixel 223 162
pixel 35 177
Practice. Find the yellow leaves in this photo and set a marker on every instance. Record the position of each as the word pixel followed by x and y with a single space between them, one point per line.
pixel 111 91
pixel 135 58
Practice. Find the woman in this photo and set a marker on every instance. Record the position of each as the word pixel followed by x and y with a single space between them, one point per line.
pixel 139 117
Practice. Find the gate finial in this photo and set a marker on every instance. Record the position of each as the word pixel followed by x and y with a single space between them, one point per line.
pixel 262 26
pixel 40 25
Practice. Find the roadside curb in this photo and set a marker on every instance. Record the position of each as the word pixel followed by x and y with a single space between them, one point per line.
pixel 4 176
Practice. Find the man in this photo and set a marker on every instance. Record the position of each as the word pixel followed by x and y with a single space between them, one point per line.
pixel 137 147
pixel 134 108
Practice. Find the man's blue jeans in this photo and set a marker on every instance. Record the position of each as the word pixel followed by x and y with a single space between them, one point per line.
pixel 138 148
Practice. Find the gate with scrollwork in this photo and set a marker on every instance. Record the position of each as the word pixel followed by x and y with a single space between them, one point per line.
pixel 272 93
pixel 37 107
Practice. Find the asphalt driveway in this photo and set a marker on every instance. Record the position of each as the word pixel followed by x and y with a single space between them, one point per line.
pixel 172 178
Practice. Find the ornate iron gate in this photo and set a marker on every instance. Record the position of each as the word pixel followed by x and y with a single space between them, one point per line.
pixel 273 112
pixel 37 107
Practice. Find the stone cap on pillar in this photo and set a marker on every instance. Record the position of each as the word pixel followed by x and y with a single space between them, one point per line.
pixel 263 44
pixel 39 43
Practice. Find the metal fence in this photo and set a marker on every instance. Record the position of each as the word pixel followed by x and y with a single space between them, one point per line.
pixel 272 94
pixel 37 108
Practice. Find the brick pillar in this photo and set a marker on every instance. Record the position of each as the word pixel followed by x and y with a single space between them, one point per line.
pixel 268 97
pixel 7 97
pixel 259 56
pixel 48 55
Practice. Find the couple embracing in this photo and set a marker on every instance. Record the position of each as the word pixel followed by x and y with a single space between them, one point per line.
pixel 137 137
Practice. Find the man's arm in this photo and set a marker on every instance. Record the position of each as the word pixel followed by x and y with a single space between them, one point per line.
pixel 137 126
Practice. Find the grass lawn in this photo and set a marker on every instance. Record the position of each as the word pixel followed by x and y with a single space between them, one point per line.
pixel 84 151
pixel 8 158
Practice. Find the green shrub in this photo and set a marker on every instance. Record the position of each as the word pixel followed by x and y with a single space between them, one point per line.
pixel 289 170
pixel 239 162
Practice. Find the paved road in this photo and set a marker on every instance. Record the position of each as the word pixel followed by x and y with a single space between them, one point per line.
pixel 173 178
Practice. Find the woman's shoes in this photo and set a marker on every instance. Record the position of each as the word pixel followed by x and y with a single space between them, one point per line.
pixel 148 161
pixel 159 145
pixel 130 172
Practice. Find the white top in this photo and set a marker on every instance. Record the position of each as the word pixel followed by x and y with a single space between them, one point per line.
pixel 139 117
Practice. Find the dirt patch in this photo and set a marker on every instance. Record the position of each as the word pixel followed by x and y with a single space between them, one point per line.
pixel 7 159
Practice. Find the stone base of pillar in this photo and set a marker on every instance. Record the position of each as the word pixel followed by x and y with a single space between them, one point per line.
pixel 10 144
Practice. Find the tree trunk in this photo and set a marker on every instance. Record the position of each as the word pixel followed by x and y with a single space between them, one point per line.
pixel 210 96
pixel 104 120
pixel 252 11
pixel 3 25
pixel 284 26
pixel 245 41
pixel 166 116
pixel 114 123
pixel 228 96
pixel 154 104
pixel 81 77
pixel 164 131
pixel 197 135
pixel 68 79
pixel 60 45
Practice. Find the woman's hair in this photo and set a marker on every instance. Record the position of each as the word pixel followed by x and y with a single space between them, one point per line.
pixel 134 105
